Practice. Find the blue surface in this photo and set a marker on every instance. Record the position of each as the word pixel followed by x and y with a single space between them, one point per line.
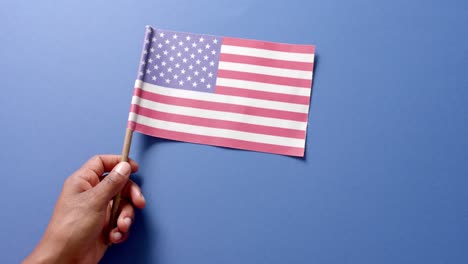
pixel 385 175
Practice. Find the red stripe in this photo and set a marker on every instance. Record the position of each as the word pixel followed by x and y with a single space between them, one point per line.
pixel 131 125
pixel 217 141
pixel 137 91
pixel 294 65
pixel 215 123
pixel 241 109
pixel 308 49
pixel 255 77
pixel 279 97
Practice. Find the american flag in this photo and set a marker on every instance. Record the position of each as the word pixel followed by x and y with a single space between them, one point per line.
pixel 222 91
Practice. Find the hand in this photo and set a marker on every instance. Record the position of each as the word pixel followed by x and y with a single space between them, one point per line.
pixel 75 233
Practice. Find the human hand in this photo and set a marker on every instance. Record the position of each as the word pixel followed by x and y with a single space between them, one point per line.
pixel 75 233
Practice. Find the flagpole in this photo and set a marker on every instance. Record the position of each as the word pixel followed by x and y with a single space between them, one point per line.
pixel 116 201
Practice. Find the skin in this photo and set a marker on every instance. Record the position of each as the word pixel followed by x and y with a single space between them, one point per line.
pixel 75 233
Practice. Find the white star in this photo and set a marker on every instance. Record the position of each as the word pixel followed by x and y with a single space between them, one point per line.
pixel 210 75
pixel 169 69
pixel 154 39
pixel 171 58
pixel 154 78
pixel 202 80
pixel 173 47
pixel 213 52
pixel 142 63
pixel 161 35
pixel 165 52
pixel 182 71
pixel 194 44
pixel 196 73
pixel 190 67
pixel 198 61
pixel 202 39
pixel 177 65
pixel 189 78
pixel 181 43
pixel 186 49
pixel 167 41
pixel 152 49
pixel 158 56
pixel 181 82
pixel 194 84
pixel 204 68
pixel 175 77
pixel 208 86
pixel 163 63
pixel 205 57
pixel 145 52
pixel 168 80
pixel 156 67
pixel 199 50
pixel 150 60
pixel 175 36
pixel 148 71
pixel 184 60
pixel 179 54
pixel 211 63
pixel 192 56
pixel 215 41
pixel 140 73
pixel 159 45
pixel 187 38
pixel 161 74
pixel 207 46
pixel 146 41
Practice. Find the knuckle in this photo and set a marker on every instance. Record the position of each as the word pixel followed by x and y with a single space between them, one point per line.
pixel 95 157
pixel 84 173
pixel 70 181
pixel 111 179
pixel 114 178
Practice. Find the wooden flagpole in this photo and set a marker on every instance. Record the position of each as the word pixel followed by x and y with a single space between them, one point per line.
pixel 128 138
pixel 118 197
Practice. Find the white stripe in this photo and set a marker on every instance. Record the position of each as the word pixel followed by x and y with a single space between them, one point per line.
pixel 264 87
pixel 217 132
pixel 219 115
pixel 269 54
pixel 242 67
pixel 220 98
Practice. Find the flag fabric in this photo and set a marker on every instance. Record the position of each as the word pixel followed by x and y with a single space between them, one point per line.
pixel 223 91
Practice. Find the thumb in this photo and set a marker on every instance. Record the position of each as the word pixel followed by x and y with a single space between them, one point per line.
pixel 113 183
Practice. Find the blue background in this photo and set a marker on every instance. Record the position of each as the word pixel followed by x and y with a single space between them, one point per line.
pixel 385 175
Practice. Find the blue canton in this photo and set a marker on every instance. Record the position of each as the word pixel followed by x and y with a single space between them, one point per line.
pixel 180 60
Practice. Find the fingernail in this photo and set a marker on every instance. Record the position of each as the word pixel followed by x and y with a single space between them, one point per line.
pixel 128 221
pixel 141 195
pixel 123 168
pixel 117 236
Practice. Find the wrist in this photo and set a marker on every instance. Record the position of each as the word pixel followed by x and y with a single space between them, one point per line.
pixel 49 250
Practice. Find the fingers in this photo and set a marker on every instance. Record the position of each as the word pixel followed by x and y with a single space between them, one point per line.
pixel 92 171
pixel 125 219
pixel 133 193
pixel 124 222
pixel 104 163
pixel 132 196
pixel 115 236
pixel 112 184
